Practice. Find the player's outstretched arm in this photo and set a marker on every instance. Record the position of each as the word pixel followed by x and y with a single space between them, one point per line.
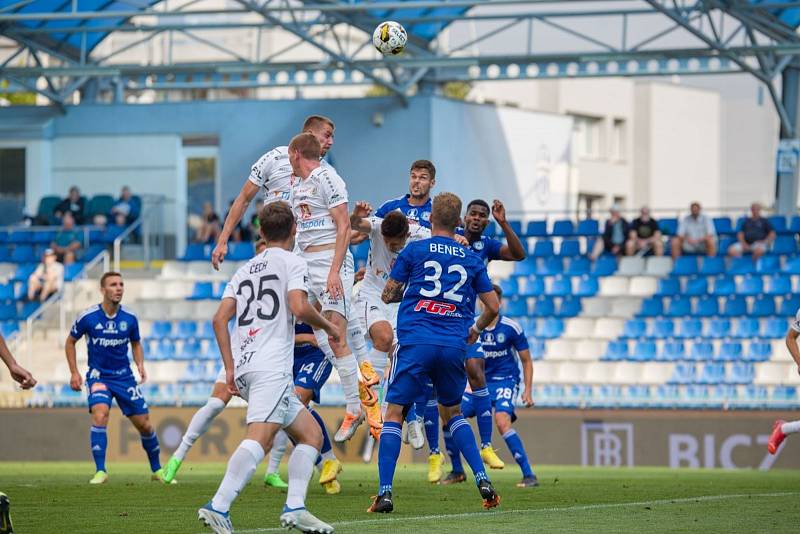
pixel 513 249
pixel 302 310
pixel 791 344
pixel 75 380
pixel 239 207
pixel 225 312
pixel 527 376
pixel 393 291
pixel 18 373
pixel 138 359
pixel 358 219
pixel 491 307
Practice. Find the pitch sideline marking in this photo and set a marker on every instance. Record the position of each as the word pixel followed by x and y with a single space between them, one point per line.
pixel 555 509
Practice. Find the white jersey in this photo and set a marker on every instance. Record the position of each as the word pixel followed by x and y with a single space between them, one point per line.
pixel 381 259
pixel 262 338
pixel 312 200
pixel 273 173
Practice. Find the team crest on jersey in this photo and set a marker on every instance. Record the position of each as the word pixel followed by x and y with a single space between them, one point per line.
pixel 412 213
pixel 489 338
pixel 501 338
pixel 426 216
pixel 305 211
pixel 123 326
pixel 110 328
pixel 478 245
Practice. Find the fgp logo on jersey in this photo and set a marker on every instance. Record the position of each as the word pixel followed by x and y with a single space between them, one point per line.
pixel 607 444
pixel 437 308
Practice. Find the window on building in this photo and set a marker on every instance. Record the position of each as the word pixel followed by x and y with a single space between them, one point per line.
pixel 588 138
pixel 618 136
pixel 589 205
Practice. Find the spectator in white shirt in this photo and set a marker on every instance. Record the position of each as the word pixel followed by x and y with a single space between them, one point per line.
pixel 696 234
pixel 47 278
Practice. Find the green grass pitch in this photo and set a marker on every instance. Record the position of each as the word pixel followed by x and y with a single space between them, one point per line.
pixel 54 497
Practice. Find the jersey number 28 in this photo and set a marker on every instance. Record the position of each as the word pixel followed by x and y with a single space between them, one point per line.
pixel 452 293
pixel 262 292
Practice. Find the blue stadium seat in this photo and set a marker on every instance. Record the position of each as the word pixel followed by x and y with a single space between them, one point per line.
pixel 569 307
pixel 491 229
pixel 588 228
pixel 784 244
pixel 587 286
pixel 696 286
pixel 725 392
pixel 663 328
pixel 550 266
pixel 719 328
pixel 569 248
pixel 789 305
pixel 644 351
pixel 534 287
pixel 578 266
pixel 756 394
pixel 166 349
pixel 186 330
pixel 202 291
pixel 684 373
pixel 668 226
pixel 637 396
pixel 196 252
pixel 668 287
pixel 685 265
pixel 774 328
pixel 784 396
pixel 673 351
pixel 724 245
pixel 509 286
pixel 23 254
pixel 241 251
pixel 741 373
pixel 690 328
pixel 616 351
pixel 8 311
pixel 740 223
pixel 723 226
pixel 43 237
pixel 713 373
pixel 679 306
pixel 190 350
pixel 563 228
pixel 525 267
pixel 219 290
pixel 702 351
pixel 794 225
pixel 161 329
pixel 778 285
pixel 23 272
pixel 724 286
pixel 7 291
pixel 712 266
pixel 72 270
pixel 768 264
pixel 634 328
pixel 763 306
pixel 734 306
pixel 604 266
pixel 667 394
pixel 28 309
pixel 730 351
pixel 758 351
pixel 542 249
pixel 543 307
pixel 746 328
pixel 652 307
pixel 778 223
pixel 560 286
pixel 743 265
pixel 5 253
pixel 536 229
pixel 551 328
pixel 792 266
pixel 20 237
pixel 750 286
pixel 8 328
pixel 516 307
pixel 516 227
pixel 537 348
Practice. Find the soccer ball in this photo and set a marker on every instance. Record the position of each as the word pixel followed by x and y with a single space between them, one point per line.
pixel 389 38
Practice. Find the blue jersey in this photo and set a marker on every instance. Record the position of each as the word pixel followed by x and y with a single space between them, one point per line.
pixel 107 338
pixel 487 248
pixel 419 214
pixel 501 344
pixel 442 280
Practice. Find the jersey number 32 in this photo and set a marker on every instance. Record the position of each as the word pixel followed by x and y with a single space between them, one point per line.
pixel 452 293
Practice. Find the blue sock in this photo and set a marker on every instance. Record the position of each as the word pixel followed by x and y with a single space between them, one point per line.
pixel 465 441
pixel 150 446
pixel 411 415
pixel 98 439
pixel 483 413
pixel 326 440
pixel 387 454
pixel 452 451
pixel 518 451
pixel 432 425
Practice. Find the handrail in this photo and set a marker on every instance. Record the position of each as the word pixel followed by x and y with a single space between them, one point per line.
pixel 142 221
pixel 124 235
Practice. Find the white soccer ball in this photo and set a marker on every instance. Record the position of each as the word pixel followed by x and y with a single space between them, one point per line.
pixel 389 38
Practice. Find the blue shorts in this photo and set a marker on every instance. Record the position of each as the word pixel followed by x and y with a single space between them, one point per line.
pixel 475 350
pixel 503 393
pixel 311 370
pixel 417 365
pixel 124 389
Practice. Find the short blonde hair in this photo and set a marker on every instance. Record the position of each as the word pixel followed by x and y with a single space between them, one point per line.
pixel 446 211
pixel 307 145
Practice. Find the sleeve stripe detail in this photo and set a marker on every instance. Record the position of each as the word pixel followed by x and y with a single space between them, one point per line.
pixel 512 323
pixel 87 311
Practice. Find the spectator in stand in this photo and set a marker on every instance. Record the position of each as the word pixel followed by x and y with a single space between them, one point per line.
pixel 73 204
pixel 210 226
pixel 614 235
pixel 645 236
pixel 756 235
pixel 68 241
pixel 47 278
pixel 123 210
pixel 696 234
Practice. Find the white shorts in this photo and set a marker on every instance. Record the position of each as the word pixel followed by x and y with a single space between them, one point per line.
pixel 270 398
pixel 371 309
pixel 319 265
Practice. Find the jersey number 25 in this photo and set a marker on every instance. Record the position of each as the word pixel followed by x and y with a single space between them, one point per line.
pixel 262 292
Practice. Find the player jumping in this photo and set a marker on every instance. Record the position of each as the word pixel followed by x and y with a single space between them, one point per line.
pixel 436 280
pixel 503 343
pixel 109 328
pixel 264 297
pixel 782 428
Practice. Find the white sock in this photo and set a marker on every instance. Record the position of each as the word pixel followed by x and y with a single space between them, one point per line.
pixel 355 339
pixel 347 367
pixel 328 455
pixel 323 344
pixel 277 452
pixel 241 468
pixel 791 427
pixel 199 425
pixel 301 467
